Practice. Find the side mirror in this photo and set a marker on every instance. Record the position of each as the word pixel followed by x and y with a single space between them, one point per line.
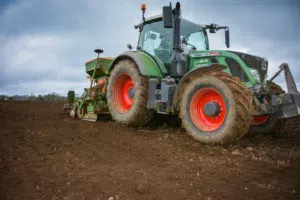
pixel 129 47
pixel 227 39
pixel 167 17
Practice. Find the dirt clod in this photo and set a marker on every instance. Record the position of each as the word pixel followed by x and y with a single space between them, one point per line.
pixel 250 149
pixel 236 152
pixel 142 187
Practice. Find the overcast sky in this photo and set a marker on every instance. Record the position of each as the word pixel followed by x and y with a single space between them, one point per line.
pixel 44 44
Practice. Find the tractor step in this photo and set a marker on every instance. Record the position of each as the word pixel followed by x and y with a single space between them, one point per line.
pixel 160 94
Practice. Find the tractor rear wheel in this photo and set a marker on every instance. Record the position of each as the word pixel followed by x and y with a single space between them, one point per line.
pixel 267 124
pixel 216 108
pixel 127 95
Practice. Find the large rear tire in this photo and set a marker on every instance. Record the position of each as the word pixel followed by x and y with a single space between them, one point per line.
pixel 216 108
pixel 127 95
pixel 268 124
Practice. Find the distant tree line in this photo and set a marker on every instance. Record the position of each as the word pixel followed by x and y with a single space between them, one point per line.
pixel 48 97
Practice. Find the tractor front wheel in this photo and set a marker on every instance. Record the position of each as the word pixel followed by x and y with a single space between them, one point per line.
pixel 216 108
pixel 127 94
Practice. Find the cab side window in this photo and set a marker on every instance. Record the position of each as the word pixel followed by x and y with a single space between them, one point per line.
pixel 236 70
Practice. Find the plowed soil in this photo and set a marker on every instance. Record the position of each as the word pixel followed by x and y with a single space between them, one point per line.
pixel 45 154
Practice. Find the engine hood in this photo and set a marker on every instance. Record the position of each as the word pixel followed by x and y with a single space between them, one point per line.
pixel 255 62
pixel 251 61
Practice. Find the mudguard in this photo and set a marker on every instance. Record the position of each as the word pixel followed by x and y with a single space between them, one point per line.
pixel 148 65
pixel 196 72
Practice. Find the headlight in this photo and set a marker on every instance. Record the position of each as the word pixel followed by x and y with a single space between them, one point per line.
pixel 255 74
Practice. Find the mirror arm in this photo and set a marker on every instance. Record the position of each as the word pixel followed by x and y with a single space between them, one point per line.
pixel 223 27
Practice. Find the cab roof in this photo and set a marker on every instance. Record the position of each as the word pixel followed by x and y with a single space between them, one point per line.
pixel 155 18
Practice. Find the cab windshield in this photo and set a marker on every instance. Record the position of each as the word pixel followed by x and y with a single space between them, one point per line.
pixel 157 40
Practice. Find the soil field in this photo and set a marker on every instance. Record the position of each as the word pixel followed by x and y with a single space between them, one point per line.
pixel 45 154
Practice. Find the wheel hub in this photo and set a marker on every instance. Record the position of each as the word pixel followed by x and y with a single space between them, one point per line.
pixel 131 93
pixel 212 109
pixel 207 109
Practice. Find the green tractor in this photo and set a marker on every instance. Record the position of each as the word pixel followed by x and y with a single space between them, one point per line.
pixel 218 95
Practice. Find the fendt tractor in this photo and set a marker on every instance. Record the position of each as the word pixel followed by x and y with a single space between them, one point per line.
pixel 218 95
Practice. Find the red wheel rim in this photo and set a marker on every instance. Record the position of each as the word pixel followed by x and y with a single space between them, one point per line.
pixel 123 93
pixel 260 119
pixel 200 119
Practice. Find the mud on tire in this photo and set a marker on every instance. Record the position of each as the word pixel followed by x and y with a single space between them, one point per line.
pixel 237 102
pixel 133 111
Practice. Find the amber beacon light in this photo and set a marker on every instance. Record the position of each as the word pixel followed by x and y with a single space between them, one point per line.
pixel 143 7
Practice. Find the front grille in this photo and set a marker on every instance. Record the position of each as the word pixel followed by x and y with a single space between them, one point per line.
pixel 254 62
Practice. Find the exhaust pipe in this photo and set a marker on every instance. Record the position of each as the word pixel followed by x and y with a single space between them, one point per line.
pixel 178 62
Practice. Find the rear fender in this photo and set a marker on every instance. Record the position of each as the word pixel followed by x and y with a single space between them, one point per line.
pixel 147 65
pixel 197 72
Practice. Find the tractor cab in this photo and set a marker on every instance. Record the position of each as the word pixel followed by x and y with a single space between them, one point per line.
pixel 172 40
pixel 156 40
